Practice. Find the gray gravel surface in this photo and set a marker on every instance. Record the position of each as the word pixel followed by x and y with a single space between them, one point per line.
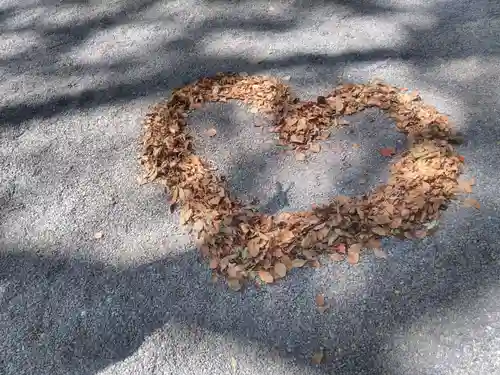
pixel 77 77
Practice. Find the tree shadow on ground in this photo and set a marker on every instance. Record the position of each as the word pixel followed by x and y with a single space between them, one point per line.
pixel 67 316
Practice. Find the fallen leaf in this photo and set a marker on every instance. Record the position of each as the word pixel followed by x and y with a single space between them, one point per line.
pixel 98 235
pixel 299 156
pixel 320 300
pixel 317 358
pixel 353 257
pixel 387 151
pixel 340 248
pixel 266 277
pixel 379 253
pixel 211 132
pixel 380 231
pixel 315 147
pixel 298 263
pixel 469 202
pixel 280 269
pixel 214 263
pixel 356 145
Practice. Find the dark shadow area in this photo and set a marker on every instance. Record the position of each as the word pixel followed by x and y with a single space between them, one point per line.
pixel 77 317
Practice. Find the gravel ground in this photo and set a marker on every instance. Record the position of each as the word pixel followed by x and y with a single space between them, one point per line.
pixel 77 78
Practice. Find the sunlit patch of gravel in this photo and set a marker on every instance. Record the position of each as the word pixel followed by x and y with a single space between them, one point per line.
pixel 258 171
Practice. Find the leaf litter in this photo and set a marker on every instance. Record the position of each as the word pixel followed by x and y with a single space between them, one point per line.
pixel 423 178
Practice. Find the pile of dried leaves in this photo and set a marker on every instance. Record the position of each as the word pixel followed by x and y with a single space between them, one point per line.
pixel 242 243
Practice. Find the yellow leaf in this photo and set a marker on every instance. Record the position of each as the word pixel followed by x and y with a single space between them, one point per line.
pixel 280 269
pixel 266 277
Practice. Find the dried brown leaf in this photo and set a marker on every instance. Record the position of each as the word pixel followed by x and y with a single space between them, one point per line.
pixel 320 300
pixel 266 277
pixel 280 270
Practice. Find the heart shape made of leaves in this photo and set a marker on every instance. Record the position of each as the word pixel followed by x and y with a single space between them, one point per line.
pixel 242 243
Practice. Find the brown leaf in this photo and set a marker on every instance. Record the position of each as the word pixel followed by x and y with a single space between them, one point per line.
pixel 387 151
pixel 315 147
pixel 379 253
pixel 285 236
pixel 469 202
pixel 266 277
pixel 380 231
pixel 320 300
pixel 280 269
pixel 340 248
pixel 298 263
pixel 254 247
pixel 211 132
pixel 299 156
pixel 355 248
pixel 353 257
pixel 317 358
pixel 297 138
pixel 214 263
pixel 185 216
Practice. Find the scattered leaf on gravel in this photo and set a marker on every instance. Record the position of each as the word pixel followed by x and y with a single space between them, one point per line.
pixel 320 300
pixel 211 132
pixel 317 358
pixel 280 269
pixel 379 253
pixel 353 258
pixel 469 202
pixel 356 145
pixel 387 151
pixel 98 235
pixel 266 277
pixel 420 234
